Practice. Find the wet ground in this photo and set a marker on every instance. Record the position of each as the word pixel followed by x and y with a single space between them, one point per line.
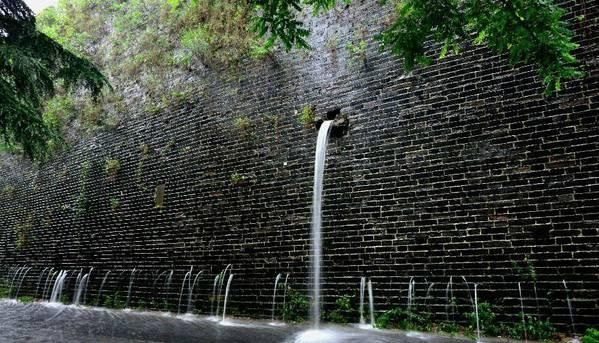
pixel 59 323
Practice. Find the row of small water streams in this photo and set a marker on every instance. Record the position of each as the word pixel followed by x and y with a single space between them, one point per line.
pixel 125 325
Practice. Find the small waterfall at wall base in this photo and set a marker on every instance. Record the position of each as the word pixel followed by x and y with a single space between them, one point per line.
pixel 362 288
pixel 522 312
pixel 58 286
pixel 371 304
pixel 21 282
pixel 187 277
pixel 190 295
pixel 228 268
pixel 216 279
pixel 316 257
pixel 99 297
pixel 285 295
pixel 274 296
pixel 476 312
pixel 227 296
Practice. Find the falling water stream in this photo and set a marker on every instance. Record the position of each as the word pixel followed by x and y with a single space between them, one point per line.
pixel 186 278
pixel 216 278
pixel 371 303
pixel 316 258
pixel 39 281
pixel 102 287
pixel 21 282
pixel 285 295
pixel 131 280
pixel 476 313
pixel 522 312
pixel 190 295
pixel 362 288
pixel 80 289
pixel 58 286
pixel 274 295
pixel 570 309
pixel 228 268
pixel 227 296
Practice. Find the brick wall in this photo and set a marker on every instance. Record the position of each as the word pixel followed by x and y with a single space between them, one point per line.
pixel 458 169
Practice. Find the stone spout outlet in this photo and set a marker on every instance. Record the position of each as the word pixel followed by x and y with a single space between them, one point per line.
pixel 340 124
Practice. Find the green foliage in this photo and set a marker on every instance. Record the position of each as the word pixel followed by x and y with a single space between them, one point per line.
pixel 450 328
pixel 398 318
pixel 115 203
pixel 159 196
pixel 8 190
pixel 26 299
pixel 278 20
pixel 531 32
pixel 343 312
pixel 114 301
pixel 527 271
pixel 112 167
pixel 4 292
pixel 31 65
pixel 487 320
pixel 237 179
pixel 534 328
pixel 296 307
pixel 590 336
pixel 243 125
pixel 307 116
pixel 22 232
pixel 357 52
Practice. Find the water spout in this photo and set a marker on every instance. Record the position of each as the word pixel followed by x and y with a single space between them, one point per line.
pixel 362 288
pixel 21 282
pixel 371 303
pixel 89 276
pixel 193 285
pixel 39 281
pixel 216 279
pixel 274 295
pixel 316 257
pixel 411 292
pixel 167 286
pixel 131 279
pixel 102 287
pixel 522 313
pixel 58 286
pixel 80 289
pixel 450 300
pixel 51 275
pixel 570 310
pixel 476 312
pixel 285 294
pixel 187 276
pixel 228 268
pixel 227 296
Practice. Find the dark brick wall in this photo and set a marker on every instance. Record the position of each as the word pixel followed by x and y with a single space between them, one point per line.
pixel 458 169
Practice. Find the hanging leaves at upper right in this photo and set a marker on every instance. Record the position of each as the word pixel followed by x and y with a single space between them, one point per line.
pixel 527 31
